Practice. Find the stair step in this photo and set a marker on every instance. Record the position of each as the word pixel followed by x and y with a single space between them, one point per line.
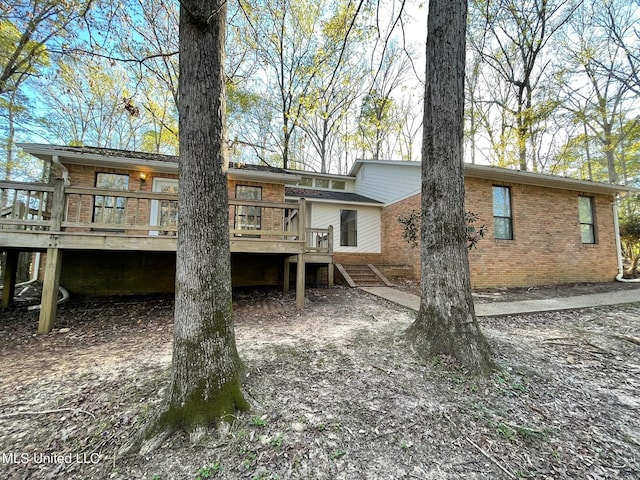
pixel 362 275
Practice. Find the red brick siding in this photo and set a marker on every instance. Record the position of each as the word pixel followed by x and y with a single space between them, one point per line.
pixel 358 258
pixel 85 176
pixel 271 192
pixel 81 175
pixel 546 249
pixel 395 249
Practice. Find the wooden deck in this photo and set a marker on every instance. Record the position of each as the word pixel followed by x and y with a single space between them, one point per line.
pixel 54 218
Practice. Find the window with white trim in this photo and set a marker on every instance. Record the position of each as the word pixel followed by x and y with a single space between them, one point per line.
pixel 502 214
pixel 348 228
pixel 587 219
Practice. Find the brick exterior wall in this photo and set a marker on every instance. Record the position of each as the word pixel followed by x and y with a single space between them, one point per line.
pixel 271 192
pixel 271 219
pixel 85 176
pixel 547 248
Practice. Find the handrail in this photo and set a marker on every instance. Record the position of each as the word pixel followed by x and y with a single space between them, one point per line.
pixel 23 205
pixel 319 240
pixel 103 192
pixel 259 203
pixel 34 187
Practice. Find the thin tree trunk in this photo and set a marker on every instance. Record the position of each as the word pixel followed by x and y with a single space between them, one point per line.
pixel 205 383
pixel 607 147
pixel 587 150
pixel 446 323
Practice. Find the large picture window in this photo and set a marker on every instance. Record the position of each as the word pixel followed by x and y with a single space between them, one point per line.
pixel 248 217
pixel 108 209
pixel 587 219
pixel 348 228
pixel 502 214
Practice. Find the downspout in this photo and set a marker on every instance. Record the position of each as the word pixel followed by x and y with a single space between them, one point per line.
pixel 36 268
pixel 616 227
pixel 65 173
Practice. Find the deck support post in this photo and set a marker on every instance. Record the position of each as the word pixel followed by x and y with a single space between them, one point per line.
pixel 49 302
pixel 330 269
pixel 9 282
pixel 287 274
pixel 330 275
pixel 300 281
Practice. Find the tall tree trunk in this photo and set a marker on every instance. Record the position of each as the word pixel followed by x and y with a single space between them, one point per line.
pixel 587 151
pixel 522 130
pixel 446 323
pixel 608 148
pixel 205 382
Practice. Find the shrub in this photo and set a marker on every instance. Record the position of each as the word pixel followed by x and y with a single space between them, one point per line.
pixel 410 222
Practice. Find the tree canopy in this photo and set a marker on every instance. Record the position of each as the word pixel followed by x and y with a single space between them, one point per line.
pixel 314 85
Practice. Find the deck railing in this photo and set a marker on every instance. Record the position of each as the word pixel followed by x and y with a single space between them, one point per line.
pixel 319 240
pixel 23 206
pixel 38 207
pixel 118 211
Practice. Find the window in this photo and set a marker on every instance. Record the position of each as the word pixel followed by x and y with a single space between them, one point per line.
pixel 322 183
pixel 338 185
pixel 108 209
pixel 248 217
pixel 502 219
pixel 305 182
pixel 348 228
pixel 587 219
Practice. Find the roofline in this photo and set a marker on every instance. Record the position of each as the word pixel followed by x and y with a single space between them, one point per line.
pixel 356 165
pixel 47 152
pixel 403 198
pixel 516 176
pixel 305 173
pixel 543 180
pixel 270 177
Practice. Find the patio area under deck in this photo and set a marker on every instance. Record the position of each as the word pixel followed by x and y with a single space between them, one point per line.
pixel 57 218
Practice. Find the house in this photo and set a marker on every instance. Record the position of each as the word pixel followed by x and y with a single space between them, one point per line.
pixel 114 215
pixel 542 229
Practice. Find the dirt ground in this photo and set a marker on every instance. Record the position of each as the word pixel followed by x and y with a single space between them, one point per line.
pixel 335 394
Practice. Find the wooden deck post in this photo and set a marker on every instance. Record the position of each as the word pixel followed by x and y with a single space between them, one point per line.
pixel 9 282
pixel 53 267
pixel 330 275
pixel 287 274
pixel 300 281
pixel 330 269
pixel 49 301
pixel 300 267
pixel 57 205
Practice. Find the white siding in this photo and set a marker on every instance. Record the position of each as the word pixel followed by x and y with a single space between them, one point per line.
pixel 368 225
pixel 388 183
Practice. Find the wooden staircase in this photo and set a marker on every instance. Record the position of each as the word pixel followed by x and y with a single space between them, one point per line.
pixel 363 276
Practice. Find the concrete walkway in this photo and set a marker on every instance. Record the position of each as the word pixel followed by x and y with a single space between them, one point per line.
pixel 514 308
